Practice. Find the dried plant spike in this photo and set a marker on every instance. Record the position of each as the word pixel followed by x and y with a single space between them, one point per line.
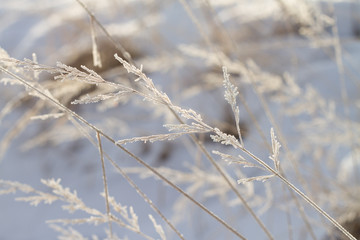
pixel 275 150
pixel 258 178
pixel 230 159
pixel 231 93
pixel 190 129
pixel 7 187
pixel 153 138
pixel 225 139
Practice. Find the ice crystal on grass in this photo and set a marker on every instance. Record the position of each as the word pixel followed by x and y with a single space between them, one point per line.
pixel 74 203
pixel 258 178
pixel 76 221
pixel 275 145
pixel 128 216
pixel 153 138
pixel 71 73
pixel 183 129
pixel 230 159
pixel 7 187
pixel 39 198
pixel 158 228
pixel 193 128
pixel 231 93
pixel 153 94
pixel 47 116
pixel 102 97
pixel 225 139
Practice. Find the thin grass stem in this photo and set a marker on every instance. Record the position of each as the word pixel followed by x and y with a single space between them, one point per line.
pixel 106 190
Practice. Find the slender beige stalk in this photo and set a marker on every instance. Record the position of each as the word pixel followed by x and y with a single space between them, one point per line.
pixel 106 190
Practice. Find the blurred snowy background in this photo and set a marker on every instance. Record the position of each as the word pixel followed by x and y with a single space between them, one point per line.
pixel 282 43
